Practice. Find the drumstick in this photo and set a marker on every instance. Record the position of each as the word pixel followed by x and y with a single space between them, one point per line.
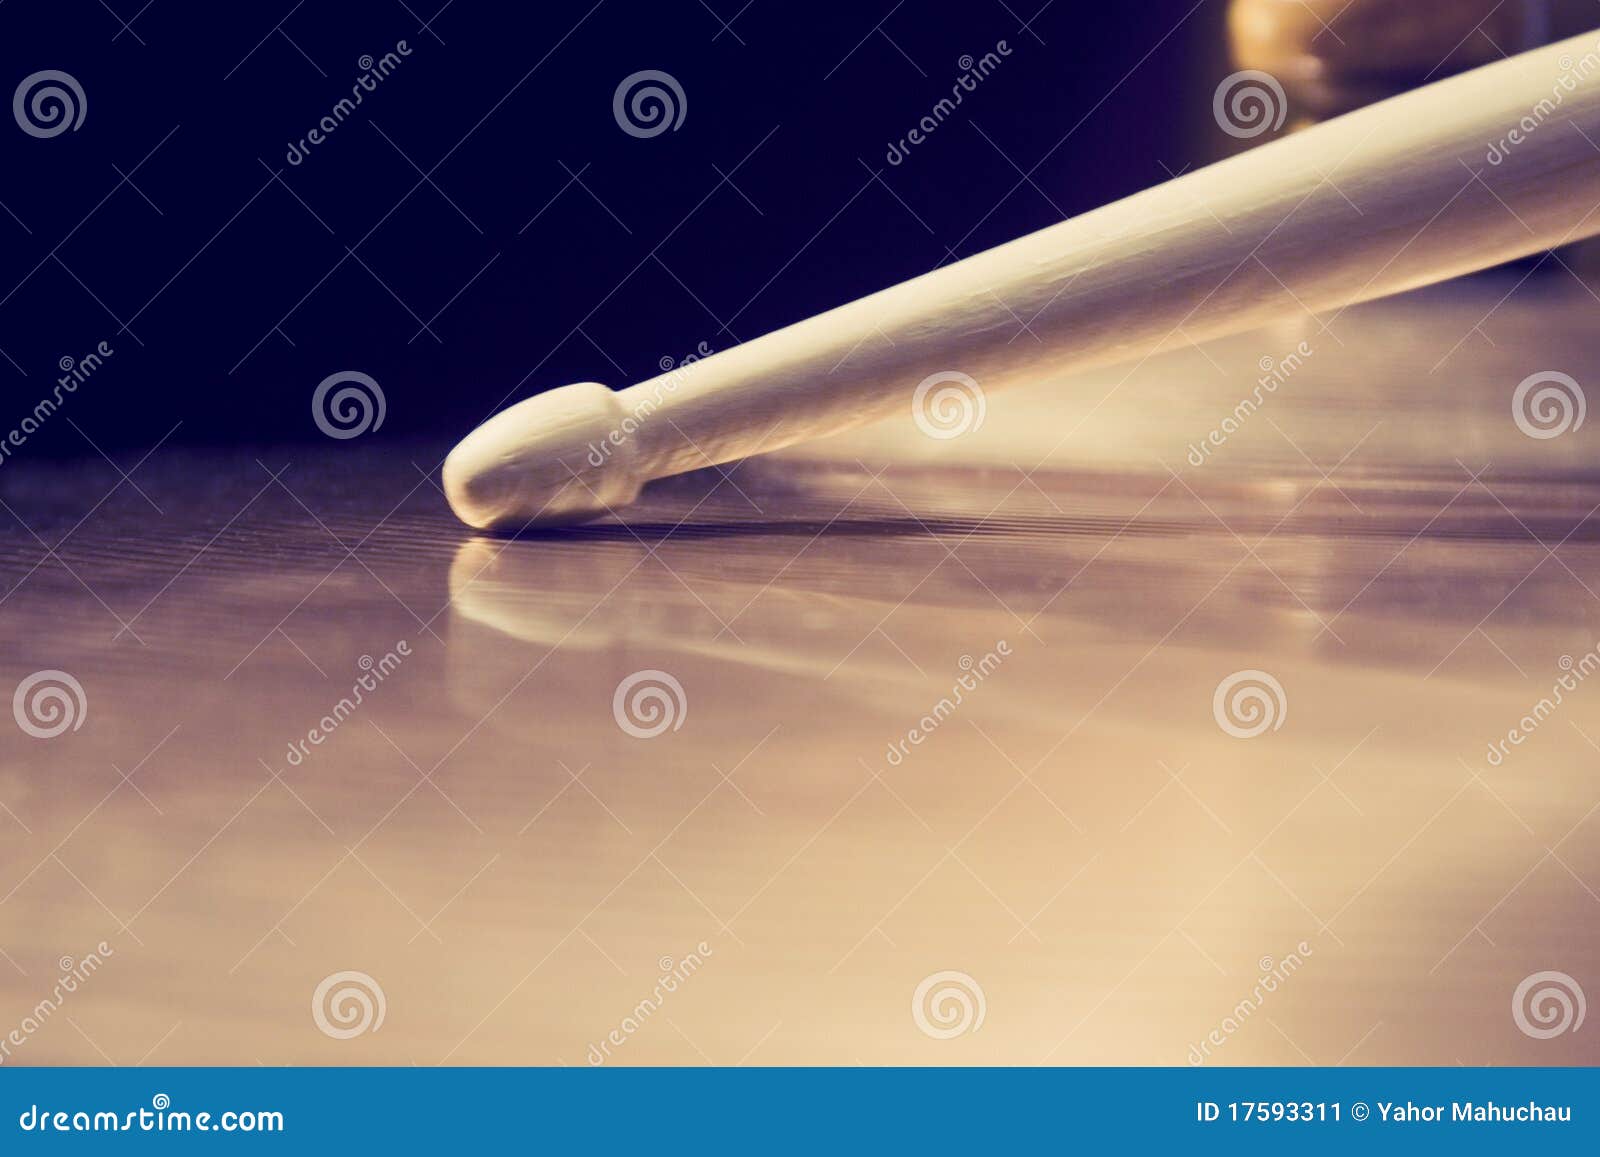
pixel 1462 174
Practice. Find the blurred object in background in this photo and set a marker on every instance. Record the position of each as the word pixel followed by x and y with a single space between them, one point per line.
pixel 1332 56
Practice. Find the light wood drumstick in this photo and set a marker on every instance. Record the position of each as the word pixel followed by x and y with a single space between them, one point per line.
pixel 1471 171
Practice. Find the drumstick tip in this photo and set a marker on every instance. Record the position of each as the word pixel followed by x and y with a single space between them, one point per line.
pixel 560 456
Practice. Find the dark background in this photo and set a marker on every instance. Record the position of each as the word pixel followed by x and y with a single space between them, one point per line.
pixel 229 283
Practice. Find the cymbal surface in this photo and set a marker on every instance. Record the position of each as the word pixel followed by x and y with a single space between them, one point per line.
pixel 840 720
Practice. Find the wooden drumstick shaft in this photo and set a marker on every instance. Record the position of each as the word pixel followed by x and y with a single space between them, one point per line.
pixel 1453 177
